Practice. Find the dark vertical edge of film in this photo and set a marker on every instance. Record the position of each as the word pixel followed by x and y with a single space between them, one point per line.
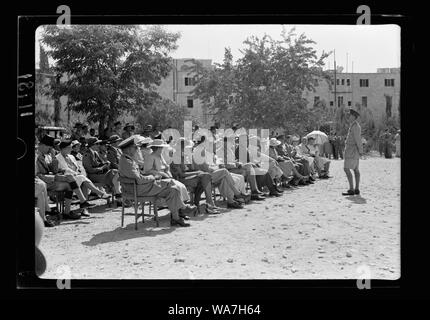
pixel 25 166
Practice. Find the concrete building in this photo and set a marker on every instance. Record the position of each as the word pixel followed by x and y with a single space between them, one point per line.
pixel 179 84
pixel 380 91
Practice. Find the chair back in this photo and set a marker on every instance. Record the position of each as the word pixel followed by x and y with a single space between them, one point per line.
pixel 124 181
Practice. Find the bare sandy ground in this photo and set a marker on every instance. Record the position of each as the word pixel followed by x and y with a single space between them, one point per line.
pixel 310 232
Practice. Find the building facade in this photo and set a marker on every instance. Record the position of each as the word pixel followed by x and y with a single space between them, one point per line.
pixel 380 91
pixel 178 87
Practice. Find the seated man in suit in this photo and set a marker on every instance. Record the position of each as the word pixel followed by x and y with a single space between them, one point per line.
pixel 287 150
pixel 149 185
pixel 98 170
pixel 287 165
pixel 113 152
pixel 263 176
pixel 196 180
pixel 224 181
pixel 321 163
pixel 232 164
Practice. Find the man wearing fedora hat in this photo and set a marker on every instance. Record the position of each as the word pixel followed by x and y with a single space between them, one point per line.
pixel 128 131
pixel 149 185
pixel 113 152
pixel 352 153
pixel 99 170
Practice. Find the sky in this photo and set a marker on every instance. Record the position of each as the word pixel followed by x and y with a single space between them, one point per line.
pixel 359 48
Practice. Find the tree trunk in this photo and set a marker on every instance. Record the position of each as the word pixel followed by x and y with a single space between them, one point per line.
pixel 57 111
pixel 57 107
pixel 101 125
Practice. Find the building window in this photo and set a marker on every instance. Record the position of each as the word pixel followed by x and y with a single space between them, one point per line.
pixel 364 101
pixel 389 82
pixel 343 82
pixel 337 81
pixel 189 81
pixel 331 103
pixel 190 102
pixel 348 82
pixel 364 82
pixel 316 83
pixel 349 103
pixel 230 99
pixel 339 101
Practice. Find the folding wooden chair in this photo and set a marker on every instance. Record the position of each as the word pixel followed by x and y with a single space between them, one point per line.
pixel 136 200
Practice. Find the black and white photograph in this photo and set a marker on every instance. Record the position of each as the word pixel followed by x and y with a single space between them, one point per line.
pixel 217 151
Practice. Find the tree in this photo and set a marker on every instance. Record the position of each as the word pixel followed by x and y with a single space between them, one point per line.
pixel 266 83
pixel 109 69
pixel 162 114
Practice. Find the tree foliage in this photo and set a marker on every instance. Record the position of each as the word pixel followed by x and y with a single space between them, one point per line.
pixel 162 114
pixel 264 87
pixel 109 69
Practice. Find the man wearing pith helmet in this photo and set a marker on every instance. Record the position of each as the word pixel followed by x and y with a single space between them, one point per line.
pixel 353 151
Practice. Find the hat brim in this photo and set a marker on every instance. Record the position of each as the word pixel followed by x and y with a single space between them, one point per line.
pixel 160 145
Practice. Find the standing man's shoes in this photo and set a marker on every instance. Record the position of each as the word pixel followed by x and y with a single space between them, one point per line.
pixel 348 193
pixel 356 191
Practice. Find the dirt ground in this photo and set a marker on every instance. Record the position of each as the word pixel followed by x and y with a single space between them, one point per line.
pixel 311 232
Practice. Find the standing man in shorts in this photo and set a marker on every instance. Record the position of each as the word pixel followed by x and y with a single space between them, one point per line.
pixel 353 151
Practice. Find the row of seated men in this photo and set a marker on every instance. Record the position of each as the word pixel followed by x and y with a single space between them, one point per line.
pixel 74 168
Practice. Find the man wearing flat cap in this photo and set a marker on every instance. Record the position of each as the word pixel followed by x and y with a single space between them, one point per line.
pixel 99 170
pixel 353 151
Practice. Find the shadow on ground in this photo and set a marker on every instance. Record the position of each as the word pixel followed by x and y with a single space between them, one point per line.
pixel 147 229
pixel 357 199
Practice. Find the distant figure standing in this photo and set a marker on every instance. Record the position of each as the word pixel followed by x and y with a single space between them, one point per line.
pixel 336 146
pixel 353 151
pixel 341 146
pixel 388 151
pixel 397 137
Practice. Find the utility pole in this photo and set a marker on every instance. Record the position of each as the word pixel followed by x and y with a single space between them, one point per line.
pixel 335 101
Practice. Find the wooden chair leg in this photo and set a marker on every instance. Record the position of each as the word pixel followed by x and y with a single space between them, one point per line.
pixel 122 216
pixel 156 215
pixel 143 212
pixel 135 214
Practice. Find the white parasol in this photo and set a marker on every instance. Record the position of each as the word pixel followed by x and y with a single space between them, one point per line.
pixel 320 137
